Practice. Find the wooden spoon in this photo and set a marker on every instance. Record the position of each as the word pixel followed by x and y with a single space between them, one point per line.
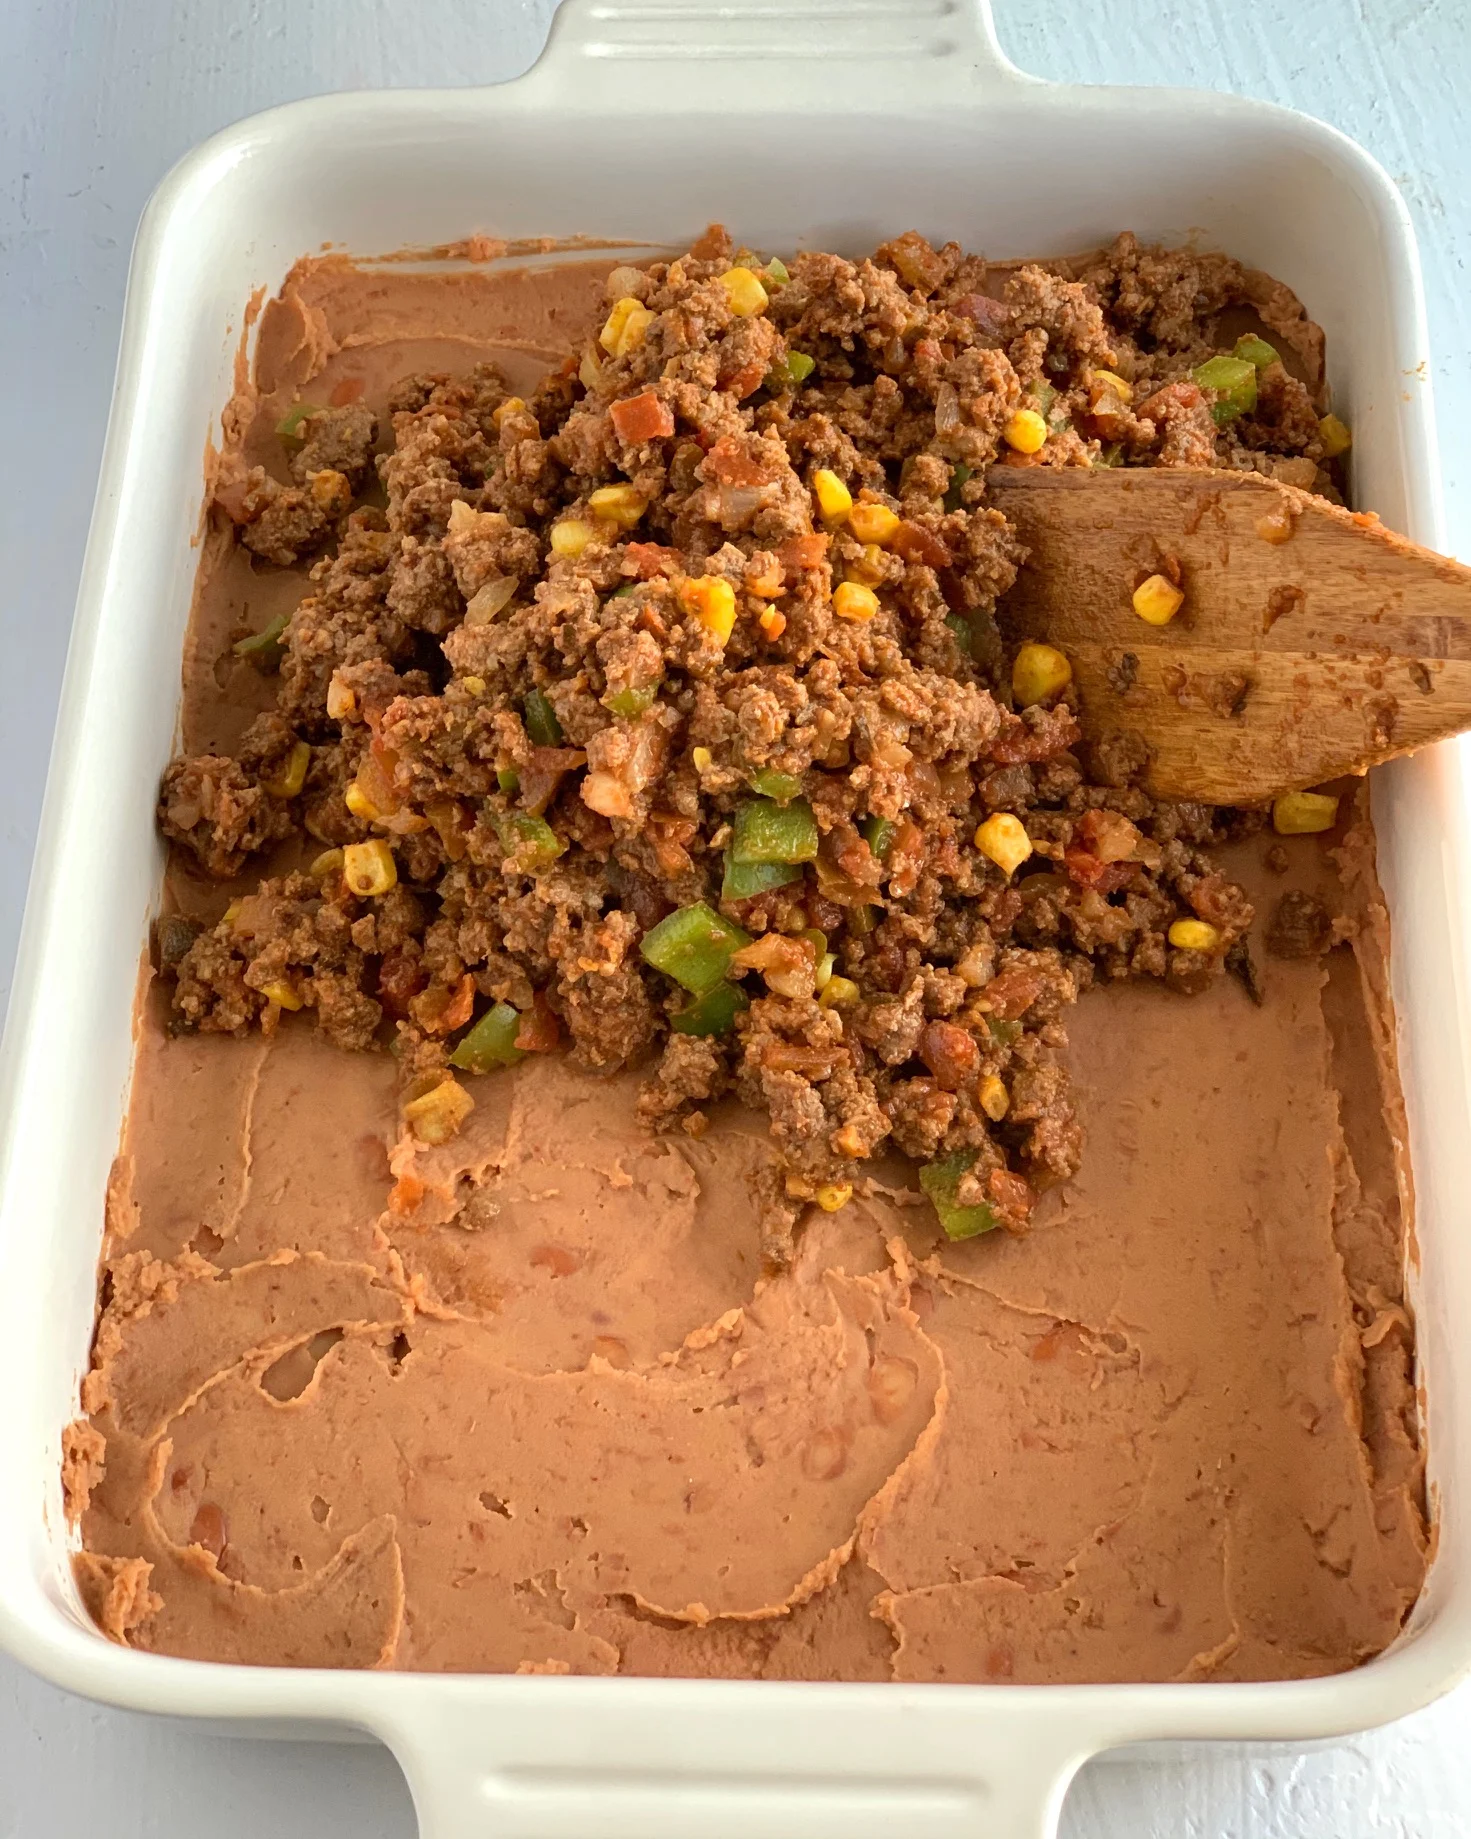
pixel 1311 642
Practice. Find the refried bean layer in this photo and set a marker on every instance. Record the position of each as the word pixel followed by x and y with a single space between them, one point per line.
pixel 789 1237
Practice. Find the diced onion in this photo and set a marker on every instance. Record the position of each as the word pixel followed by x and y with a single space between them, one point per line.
pixel 488 600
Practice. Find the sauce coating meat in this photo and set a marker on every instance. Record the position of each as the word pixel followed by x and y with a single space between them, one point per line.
pixel 698 638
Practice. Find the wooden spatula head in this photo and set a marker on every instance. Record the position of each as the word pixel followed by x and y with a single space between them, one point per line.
pixel 1311 642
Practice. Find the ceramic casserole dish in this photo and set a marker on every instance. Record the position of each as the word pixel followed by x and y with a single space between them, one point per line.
pixel 805 125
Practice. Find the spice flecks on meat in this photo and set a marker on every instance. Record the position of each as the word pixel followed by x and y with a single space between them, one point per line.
pixel 728 572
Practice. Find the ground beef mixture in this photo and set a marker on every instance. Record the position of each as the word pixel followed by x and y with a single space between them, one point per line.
pixel 733 556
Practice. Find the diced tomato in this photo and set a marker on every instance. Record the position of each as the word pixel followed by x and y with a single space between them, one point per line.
pixel 803 551
pixel 442 1011
pixel 400 978
pixel 1011 1194
pixel 641 418
pixel 1012 993
pixel 1087 871
pixel 1018 744
pixel 1172 395
pixel 730 462
pixel 540 1030
pixel 1108 835
pixel 905 858
pixel 741 383
pixel 350 389
pixel 951 1054
pixel 916 544
pixel 651 560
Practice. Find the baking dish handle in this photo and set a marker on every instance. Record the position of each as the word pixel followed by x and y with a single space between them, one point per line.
pixel 618 1765
pixel 839 56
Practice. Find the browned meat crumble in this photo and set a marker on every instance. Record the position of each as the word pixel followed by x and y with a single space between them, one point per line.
pixel 484 573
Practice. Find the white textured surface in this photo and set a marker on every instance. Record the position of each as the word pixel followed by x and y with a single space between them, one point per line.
pixel 97 98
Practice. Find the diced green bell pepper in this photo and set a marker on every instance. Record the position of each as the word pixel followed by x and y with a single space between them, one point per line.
pixel 1003 1033
pixel 694 946
pixel 776 270
pixel 713 1013
pixel 878 833
pixel 743 879
pixel 765 831
pixel 491 1042
pixel 532 839
pixel 631 701
pixel 509 780
pixel 959 473
pixel 961 628
pixel 1111 455
pixel 289 426
pixel 1044 395
pixel 941 1182
pixel 541 720
pixel 1234 382
pixel 264 648
pixel 789 372
pixel 1255 351
pixel 783 787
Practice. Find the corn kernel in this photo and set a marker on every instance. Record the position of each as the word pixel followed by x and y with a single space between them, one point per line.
pixel 1115 384
pixel 1194 935
pixel 1304 813
pixel 1004 839
pixel 713 603
pixel 852 600
pixel 623 505
pixel 702 758
pixel 747 296
pixel 590 370
pixel 475 685
pixel 618 318
pixel 437 1115
pixel 1157 600
pixel 994 1097
pixel 834 1195
pixel 281 993
pixel 1335 436
pixel 231 913
pixel 869 569
pixel 634 329
pixel 824 974
pixel 292 776
pixel 1025 431
pixel 571 536
pixel 1040 671
pixel 369 868
pixel 359 803
pixel 873 523
pixel 838 993
pixel 513 405
pixel 328 863
pixel 342 700
pixel 772 623
pixel 834 499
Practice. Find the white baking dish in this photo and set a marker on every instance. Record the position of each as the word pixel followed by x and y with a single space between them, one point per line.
pixel 823 124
